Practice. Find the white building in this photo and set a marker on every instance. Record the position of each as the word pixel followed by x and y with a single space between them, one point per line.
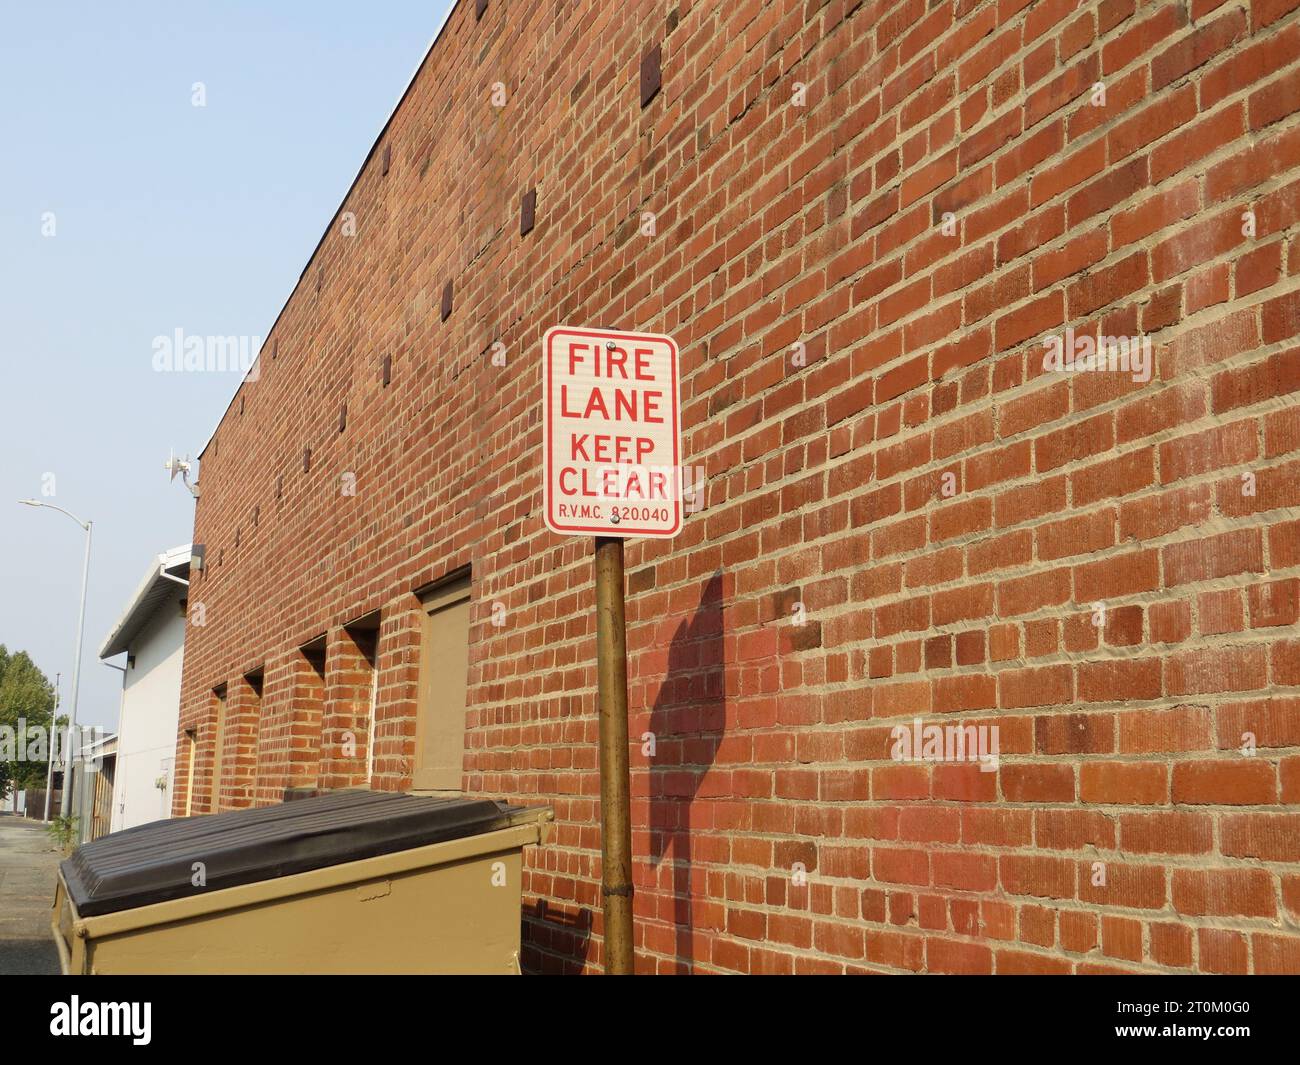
pixel 151 632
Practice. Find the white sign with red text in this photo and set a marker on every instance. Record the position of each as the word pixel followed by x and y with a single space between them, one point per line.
pixel 612 429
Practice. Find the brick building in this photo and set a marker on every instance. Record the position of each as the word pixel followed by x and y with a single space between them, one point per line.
pixel 864 224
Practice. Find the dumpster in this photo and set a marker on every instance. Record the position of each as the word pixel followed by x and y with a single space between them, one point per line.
pixel 348 882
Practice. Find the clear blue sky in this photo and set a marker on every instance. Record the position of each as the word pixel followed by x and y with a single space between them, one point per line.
pixel 166 216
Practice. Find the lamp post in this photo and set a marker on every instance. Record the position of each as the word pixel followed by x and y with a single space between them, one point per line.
pixel 65 802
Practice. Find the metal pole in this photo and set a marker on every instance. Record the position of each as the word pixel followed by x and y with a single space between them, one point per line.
pixel 65 802
pixel 615 813
pixel 50 739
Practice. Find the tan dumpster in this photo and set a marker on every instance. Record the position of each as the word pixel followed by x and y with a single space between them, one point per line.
pixel 350 882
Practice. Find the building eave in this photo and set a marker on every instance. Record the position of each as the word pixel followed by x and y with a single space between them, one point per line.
pixel 157 587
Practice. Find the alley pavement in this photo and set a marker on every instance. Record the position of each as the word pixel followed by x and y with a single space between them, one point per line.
pixel 28 860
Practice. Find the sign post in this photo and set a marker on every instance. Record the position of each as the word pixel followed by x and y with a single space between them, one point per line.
pixel 615 789
pixel 613 470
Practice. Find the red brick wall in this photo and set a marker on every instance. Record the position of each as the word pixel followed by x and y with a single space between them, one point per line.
pixel 918 193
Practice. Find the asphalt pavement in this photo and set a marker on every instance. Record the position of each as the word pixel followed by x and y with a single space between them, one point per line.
pixel 28 860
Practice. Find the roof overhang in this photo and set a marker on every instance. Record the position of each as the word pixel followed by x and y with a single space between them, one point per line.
pixel 102 748
pixel 159 586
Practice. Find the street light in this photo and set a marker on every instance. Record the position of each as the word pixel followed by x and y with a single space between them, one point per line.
pixel 65 803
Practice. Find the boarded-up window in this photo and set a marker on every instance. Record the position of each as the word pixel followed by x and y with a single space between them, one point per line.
pixel 444 668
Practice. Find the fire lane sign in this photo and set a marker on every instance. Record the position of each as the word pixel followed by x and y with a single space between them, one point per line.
pixel 612 433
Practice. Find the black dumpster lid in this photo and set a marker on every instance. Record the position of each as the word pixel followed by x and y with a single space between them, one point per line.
pixel 155 862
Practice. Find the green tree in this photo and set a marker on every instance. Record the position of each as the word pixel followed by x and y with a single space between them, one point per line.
pixel 26 701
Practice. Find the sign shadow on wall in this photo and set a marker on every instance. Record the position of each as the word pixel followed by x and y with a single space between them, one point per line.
pixel 688 720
